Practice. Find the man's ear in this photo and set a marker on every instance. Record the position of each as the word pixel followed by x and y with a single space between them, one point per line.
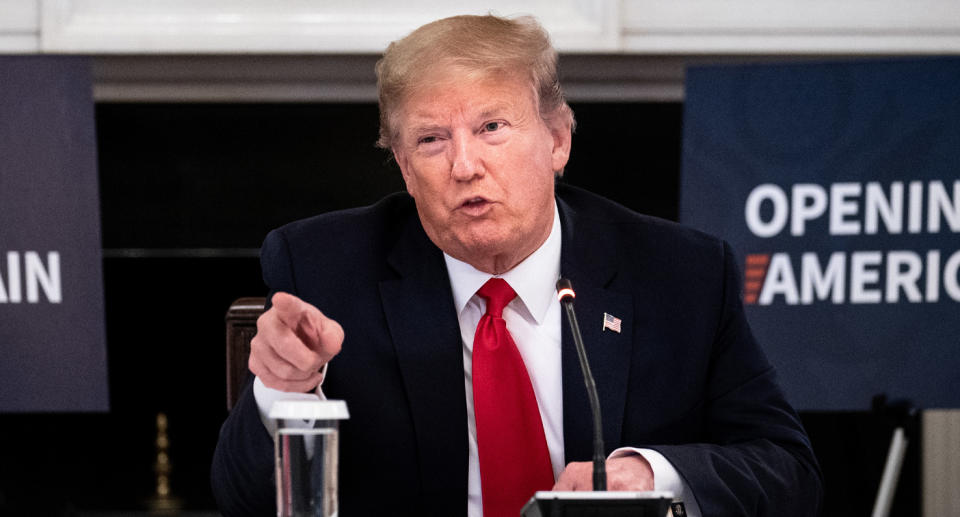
pixel 562 133
pixel 401 159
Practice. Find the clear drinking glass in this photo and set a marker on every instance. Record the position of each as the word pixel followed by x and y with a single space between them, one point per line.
pixel 306 452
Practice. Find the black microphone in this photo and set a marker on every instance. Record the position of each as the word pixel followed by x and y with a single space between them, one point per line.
pixel 566 295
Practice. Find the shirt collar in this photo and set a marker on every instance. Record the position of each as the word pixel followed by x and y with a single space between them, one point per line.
pixel 534 279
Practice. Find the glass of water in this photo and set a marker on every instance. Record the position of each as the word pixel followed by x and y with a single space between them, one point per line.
pixel 306 452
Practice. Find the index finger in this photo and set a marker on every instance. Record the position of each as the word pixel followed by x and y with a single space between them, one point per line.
pixel 303 319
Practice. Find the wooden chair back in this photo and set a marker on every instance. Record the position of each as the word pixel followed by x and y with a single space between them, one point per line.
pixel 241 323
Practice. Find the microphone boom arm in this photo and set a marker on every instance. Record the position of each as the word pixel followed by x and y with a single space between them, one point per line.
pixel 566 294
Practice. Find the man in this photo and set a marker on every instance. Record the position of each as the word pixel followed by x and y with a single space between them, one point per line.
pixel 416 291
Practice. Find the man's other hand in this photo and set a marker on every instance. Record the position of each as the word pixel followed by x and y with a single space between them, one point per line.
pixel 631 472
pixel 294 340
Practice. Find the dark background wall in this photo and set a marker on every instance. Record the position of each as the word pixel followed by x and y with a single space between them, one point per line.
pixel 188 192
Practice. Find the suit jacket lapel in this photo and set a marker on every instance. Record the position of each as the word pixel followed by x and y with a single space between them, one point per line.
pixel 423 324
pixel 589 261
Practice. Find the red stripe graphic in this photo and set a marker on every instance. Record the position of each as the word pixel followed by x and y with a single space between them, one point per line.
pixel 754 274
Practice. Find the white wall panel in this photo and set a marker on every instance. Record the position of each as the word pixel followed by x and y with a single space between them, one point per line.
pixel 791 27
pixel 686 27
pixel 19 26
pixel 19 15
pixel 295 26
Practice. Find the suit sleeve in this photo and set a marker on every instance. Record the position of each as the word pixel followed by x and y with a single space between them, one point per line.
pixel 756 458
pixel 242 473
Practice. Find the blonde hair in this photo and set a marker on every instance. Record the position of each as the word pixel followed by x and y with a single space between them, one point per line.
pixel 486 44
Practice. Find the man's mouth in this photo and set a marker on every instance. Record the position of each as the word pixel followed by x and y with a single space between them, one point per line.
pixel 475 206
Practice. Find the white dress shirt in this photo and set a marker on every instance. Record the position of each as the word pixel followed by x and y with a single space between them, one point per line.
pixel 534 321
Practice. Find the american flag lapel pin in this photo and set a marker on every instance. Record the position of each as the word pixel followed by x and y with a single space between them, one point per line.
pixel 611 322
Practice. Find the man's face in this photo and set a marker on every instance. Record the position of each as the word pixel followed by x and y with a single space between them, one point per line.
pixel 479 162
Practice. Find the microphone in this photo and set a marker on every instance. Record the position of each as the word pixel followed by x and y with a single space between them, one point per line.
pixel 566 295
pixel 599 502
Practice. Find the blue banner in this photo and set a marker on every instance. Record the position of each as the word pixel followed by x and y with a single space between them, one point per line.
pixel 839 186
pixel 51 289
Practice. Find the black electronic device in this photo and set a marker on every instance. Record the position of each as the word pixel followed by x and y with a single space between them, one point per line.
pixel 598 504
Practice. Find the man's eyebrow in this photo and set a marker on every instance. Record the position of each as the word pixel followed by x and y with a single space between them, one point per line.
pixel 496 109
pixel 424 128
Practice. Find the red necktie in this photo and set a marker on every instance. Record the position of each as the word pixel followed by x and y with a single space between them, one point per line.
pixel 512 449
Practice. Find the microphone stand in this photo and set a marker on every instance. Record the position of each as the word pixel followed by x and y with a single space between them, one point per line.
pixel 566 295
pixel 599 502
pixel 903 415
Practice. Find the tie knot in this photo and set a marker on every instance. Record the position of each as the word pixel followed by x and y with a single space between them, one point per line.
pixel 498 293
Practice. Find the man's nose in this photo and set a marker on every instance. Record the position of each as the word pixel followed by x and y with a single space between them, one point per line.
pixel 465 162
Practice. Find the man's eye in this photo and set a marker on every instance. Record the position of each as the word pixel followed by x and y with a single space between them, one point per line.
pixel 427 140
pixel 492 126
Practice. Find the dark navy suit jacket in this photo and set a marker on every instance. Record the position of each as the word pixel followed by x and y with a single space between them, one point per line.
pixel 684 376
